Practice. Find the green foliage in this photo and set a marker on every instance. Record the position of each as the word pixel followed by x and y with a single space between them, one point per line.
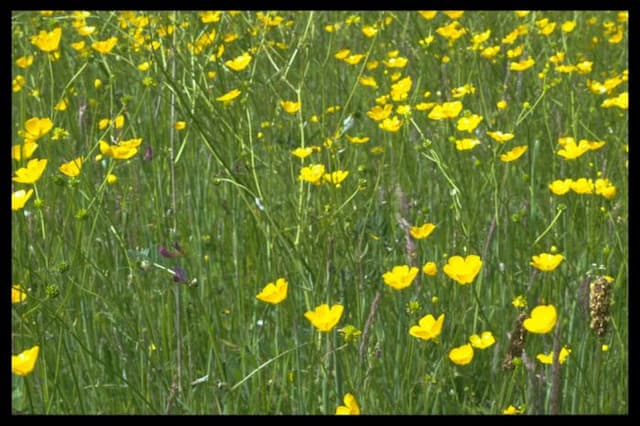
pixel 126 329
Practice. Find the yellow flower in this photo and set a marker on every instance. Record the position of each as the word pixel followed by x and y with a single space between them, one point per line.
pixel 469 123
pixel 512 410
pixel 353 59
pixel 32 172
pixel 349 333
pixel 358 139
pixel 420 232
pixel 395 62
pixel 605 188
pixel 620 101
pixel 312 173
pixel 239 62
pixel 336 177
pixel 582 186
pixel 391 124
pixel 467 89
pixel 180 125
pixel 23 151
pixel 430 268
pixel 466 144
pixel 428 327
pixel 302 153
pixel 452 31
pixel 483 341
pixel 290 106
pixel 514 154
pixel 519 302
pixel 35 128
pixel 568 26
pixel 445 110
pixel 501 104
pixel 571 151
pixel 324 318
pixel 379 113
pixel 463 270
pixel 546 262
pixel 47 41
pixel 104 46
pixel 18 295
pixel 71 168
pixel 428 14
pixel 210 16
pixel 543 319
pixel 490 52
pixel 400 89
pixel 274 293
pixel 112 179
pixel 350 406
pixel 229 96
pixel 560 186
pixel 522 65
pixel 23 363
pixel 400 276
pixel 17 83
pixel 453 14
pixel 498 136
pixel 462 355
pixel 368 81
pixel 123 151
pixel 548 358
pixel 20 198
pixel 24 61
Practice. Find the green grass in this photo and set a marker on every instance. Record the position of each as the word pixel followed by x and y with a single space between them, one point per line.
pixel 117 335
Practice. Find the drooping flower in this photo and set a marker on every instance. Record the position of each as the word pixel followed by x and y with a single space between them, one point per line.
pixel 482 341
pixel 324 318
pixel 546 262
pixel 548 358
pixel 350 406
pixel 428 327
pixel 462 355
pixel 274 293
pixel 24 363
pixel 463 270
pixel 400 276
pixel 32 172
pixel 20 198
pixel 543 319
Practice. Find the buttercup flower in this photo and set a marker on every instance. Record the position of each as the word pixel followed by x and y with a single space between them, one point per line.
pixel 18 295
pixel 290 106
pixel 20 198
pixel 350 406
pixel 324 318
pixel 229 96
pixel 423 231
pixel 274 293
pixel 483 341
pixel 514 154
pixel 560 186
pixel 428 327
pixel 71 168
pixel 462 355
pixel 548 358
pixel 430 268
pixel 543 319
pixel 104 46
pixel 23 363
pixel 469 123
pixel 32 172
pixel 463 270
pixel 546 262
pixel 47 41
pixel 400 276
pixel 513 410
pixel 239 63
pixel 445 110
pixel 35 128
pixel 312 173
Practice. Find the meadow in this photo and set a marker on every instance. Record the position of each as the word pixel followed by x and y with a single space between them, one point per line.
pixel 241 212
